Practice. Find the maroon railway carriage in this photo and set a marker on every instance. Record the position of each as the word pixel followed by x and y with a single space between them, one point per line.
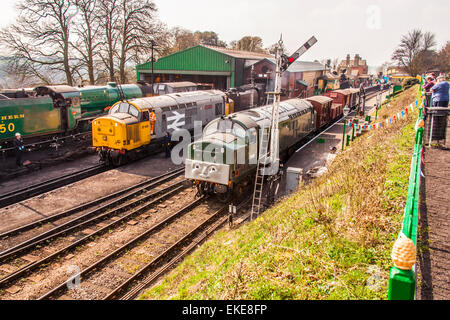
pixel 336 110
pixel 355 97
pixel 322 106
pixel 342 98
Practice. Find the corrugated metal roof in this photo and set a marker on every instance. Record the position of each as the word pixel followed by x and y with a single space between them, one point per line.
pixel 301 66
pixel 239 53
pixel 198 58
pixel 320 99
pixel 343 91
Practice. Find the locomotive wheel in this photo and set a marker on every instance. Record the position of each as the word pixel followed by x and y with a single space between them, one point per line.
pixel 117 161
pixel 239 191
pixel 224 197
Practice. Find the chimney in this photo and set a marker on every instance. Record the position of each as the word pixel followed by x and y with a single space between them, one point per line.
pixel 357 57
pixel 348 60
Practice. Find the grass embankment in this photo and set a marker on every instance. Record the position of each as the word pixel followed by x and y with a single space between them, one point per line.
pixel 325 242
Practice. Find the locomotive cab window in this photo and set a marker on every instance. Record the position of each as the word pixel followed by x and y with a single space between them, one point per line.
pixel 125 108
pixel 145 115
pixel 225 126
pixel 238 131
pixel 218 109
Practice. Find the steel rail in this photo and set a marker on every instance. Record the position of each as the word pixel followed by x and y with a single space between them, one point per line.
pixel 137 210
pixel 18 195
pixel 141 185
pixel 165 253
pixel 196 241
pixel 130 243
pixel 70 226
pixel 32 145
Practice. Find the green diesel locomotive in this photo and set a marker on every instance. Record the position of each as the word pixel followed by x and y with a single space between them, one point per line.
pixel 223 161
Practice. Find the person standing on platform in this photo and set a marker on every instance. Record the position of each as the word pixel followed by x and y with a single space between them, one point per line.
pixel 430 83
pixel 19 146
pixel 167 139
pixel 427 87
pixel 440 93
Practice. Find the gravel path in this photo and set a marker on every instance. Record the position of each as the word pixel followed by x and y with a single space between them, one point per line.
pixel 434 225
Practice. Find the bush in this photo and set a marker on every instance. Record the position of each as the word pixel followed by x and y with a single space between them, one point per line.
pixel 409 83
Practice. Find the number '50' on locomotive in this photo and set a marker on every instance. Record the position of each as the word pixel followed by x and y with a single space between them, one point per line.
pixel 223 161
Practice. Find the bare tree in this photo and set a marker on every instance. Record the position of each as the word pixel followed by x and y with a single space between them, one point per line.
pixel 249 43
pixel 137 27
pixel 39 39
pixel 413 51
pixel 272 49
pixel 443 58
pixel 180 39
pixel 108 11
pixel 87 29
pixel 209 38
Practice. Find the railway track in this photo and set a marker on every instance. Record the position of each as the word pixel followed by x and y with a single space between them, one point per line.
pixel 108 201
pixel 151 250
pixel 18 195
pixel 46 249
pixel 112 260
pixel 133 286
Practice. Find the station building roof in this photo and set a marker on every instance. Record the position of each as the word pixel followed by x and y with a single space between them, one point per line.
pixel 204 60
pixel 300 66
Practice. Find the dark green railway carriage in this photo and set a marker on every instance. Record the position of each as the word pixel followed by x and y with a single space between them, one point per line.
pixel 94 99
pixel 54 109
pixel 224 160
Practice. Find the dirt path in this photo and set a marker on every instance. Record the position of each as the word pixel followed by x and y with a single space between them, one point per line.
pixel 433 273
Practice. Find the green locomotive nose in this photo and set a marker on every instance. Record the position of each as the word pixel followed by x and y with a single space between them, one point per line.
pixel 208 152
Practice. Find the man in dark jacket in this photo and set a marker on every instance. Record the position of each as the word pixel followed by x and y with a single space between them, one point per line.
pixel 440 92
pixel 18 144
pixel 167 139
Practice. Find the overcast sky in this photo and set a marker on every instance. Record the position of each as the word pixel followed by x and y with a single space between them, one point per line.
pixel 371 28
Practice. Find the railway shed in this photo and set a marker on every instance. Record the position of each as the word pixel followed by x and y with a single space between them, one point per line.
pixel 222 67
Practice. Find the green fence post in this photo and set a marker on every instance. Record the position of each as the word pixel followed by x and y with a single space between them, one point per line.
pixel 343 136
pixel 353 131
pixel 402 284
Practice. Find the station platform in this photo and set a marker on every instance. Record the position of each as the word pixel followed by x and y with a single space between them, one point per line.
pixel 433 243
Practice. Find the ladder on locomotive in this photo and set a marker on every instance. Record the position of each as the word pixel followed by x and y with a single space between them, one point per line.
pixel 259 178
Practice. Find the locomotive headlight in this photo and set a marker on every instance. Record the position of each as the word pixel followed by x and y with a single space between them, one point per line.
pixel 222 150
pixel 115 124
pixel 104 138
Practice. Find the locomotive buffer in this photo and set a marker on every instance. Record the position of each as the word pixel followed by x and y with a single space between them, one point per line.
pixel 271 157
